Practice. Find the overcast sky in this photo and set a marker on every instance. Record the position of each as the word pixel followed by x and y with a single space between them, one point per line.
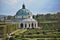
pixel 10 7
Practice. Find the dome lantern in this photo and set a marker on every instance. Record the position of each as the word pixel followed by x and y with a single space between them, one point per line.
pixel 23 11
pixel 23 6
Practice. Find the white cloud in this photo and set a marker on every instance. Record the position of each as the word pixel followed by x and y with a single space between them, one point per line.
pixel 14 2
pixel 30 0
pixel 10 2
pixel 7 13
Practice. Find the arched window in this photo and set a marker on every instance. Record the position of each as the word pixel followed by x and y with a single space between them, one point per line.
pixel 22 16
pixel 28 16
pixel 32 25
pixel 35 25
pixel 29 25
pixel 21 25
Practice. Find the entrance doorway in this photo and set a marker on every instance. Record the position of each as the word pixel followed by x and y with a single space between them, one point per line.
pixel 21 25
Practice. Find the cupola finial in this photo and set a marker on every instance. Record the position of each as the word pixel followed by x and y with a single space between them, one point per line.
pixel 23 6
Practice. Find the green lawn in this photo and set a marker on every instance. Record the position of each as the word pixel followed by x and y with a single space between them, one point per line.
pixel 19 31
pixel 37 34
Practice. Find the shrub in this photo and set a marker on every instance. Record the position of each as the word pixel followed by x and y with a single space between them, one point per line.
pixel 40 39
pixel 12 38
pixel 24 39
pixel 37 33
pixel 29 33
pixel 16 36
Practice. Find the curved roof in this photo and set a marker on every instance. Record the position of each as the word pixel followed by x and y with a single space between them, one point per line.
pixel 18 20
pixel 24 20
pixel 23 11
pixel 29 20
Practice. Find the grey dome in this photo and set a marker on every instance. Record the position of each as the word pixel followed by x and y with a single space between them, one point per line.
pixel 23 11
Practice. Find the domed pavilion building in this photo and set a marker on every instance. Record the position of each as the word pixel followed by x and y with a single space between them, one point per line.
pixel 24 18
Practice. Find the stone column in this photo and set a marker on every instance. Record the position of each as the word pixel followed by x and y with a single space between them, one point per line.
pixel 30 25
pixel 23 25
pixel 36 25
pixel 27 25
pixel 19 25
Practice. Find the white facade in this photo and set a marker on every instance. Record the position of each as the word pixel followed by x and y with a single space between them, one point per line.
pixel 24 18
